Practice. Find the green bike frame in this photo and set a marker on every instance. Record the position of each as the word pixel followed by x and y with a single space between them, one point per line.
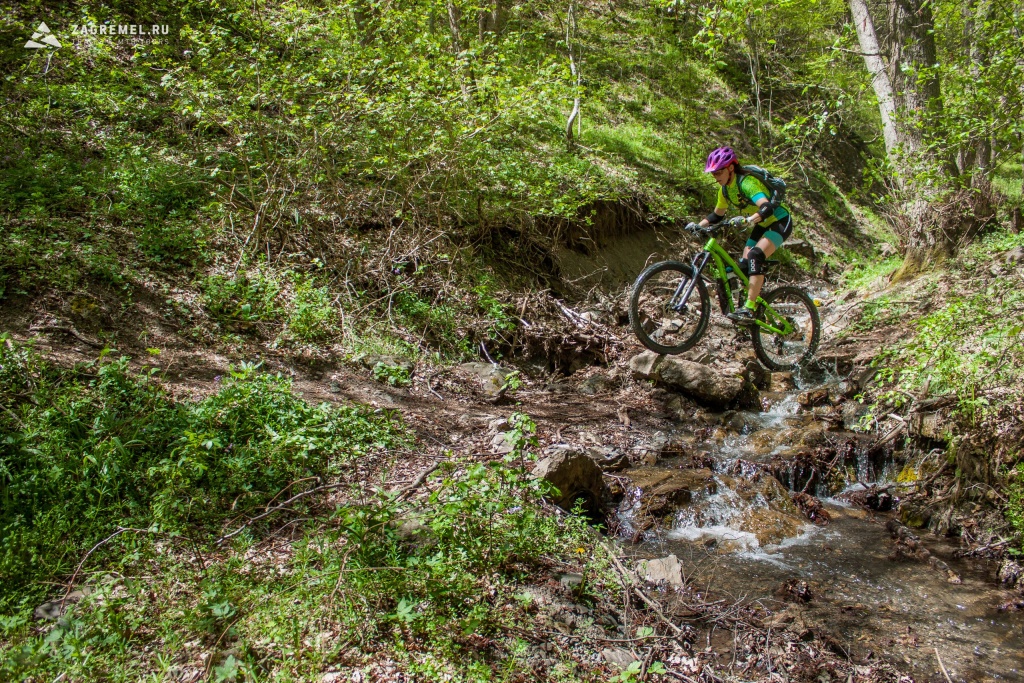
pixel 769 320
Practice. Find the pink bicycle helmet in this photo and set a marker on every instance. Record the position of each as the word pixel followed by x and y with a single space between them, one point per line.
pixel 719 159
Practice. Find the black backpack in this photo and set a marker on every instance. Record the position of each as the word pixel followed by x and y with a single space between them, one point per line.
pixel 774 183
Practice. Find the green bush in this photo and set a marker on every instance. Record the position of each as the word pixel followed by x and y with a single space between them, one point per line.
pixel 81 455
pixel 414 578
pixel 312 316
pixel 241 298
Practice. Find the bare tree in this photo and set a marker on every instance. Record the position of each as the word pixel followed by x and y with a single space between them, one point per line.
pixel 570 42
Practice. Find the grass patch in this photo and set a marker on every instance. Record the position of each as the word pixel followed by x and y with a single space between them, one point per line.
pixel 96 447
pixel 435 590
pixel 866 273
pixel 972 343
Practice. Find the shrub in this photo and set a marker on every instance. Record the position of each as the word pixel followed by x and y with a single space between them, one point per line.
pixel 241 298
pixel 80 456
pixel 312 317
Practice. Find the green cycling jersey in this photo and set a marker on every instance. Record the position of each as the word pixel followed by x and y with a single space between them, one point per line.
pixel 730 196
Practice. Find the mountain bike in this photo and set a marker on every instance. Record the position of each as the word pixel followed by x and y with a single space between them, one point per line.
pixel 669 307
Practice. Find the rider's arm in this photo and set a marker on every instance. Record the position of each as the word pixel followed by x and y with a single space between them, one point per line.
pixel 721 206
pixel 764 209
pixel 719 212
pixel 760 198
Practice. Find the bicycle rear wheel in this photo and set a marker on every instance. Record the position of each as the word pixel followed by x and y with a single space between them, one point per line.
pixel 786 352
pixel 658 322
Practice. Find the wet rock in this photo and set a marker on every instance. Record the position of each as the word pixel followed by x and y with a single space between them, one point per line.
pixel 658 492
pixel 490 378
pixel 749 398
pixel 699 381
pixel 907 545
pixel 770 526
pixel 812 508
pixel 666 570
pixel 852 412
pixel 814 397
pixel 664 445
pixel 645 365
pixel 617 657
pixel 1011 573
pixel 744 355
pixel 794 590
pixel 598 383
pixel 763 440
pixel 576 476
pixel 609 459
pixel 915 516
pixel 872 498
pixel 756 374
pixel 783 381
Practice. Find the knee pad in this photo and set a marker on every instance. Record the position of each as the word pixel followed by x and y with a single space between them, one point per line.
pixel 756 258
pixel 744 265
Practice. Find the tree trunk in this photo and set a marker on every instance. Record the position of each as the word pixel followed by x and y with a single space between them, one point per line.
pixel 570 39
pixel 880 81
pixel 454 16
pixel 365 15
pixel 492 20
pixel 912 49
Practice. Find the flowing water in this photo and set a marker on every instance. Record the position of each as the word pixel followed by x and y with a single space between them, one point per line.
pixel 744 542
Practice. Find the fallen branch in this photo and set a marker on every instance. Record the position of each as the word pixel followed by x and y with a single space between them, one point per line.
pixel 67 329
pixel 941 666
pixel 624 574
pixel 74 575
pixel 277 508
pixel 418 481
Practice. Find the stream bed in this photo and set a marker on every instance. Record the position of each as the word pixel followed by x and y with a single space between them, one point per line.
pixel 737 541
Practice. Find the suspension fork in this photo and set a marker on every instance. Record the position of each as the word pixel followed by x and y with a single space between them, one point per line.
pixel 678 301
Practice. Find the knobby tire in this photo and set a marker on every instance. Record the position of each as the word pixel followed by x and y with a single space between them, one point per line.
pixel 700 293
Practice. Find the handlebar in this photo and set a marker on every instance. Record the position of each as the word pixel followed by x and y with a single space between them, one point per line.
pixel 712 230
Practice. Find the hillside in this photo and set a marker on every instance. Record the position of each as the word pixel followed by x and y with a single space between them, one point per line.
pixel 295 297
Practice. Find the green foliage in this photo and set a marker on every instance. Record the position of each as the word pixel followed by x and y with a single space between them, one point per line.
pixel 241 298
pixel 971 344
pixel 312 316
pixel 82 453
pixel 879 312
pixel 381 572
pixel 395 375
pixel 1014 509
pixel 868 272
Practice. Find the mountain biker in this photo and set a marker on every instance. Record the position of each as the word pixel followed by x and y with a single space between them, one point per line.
pixel 771 224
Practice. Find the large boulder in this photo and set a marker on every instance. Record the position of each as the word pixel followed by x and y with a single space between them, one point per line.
pixel 490 378
pixel 665 570
pixel 576 476
pixel 645 365
pixel 655 492
pixel 699 382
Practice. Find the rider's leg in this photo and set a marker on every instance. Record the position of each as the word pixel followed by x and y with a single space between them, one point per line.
pixel 758 255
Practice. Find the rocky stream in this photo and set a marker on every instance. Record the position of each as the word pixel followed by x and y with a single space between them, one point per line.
pixel 791 508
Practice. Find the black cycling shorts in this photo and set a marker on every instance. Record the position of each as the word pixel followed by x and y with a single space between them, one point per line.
pixel 777 232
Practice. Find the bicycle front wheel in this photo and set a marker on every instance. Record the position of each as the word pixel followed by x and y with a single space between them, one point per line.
pixel 786 352
pixel 660 323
